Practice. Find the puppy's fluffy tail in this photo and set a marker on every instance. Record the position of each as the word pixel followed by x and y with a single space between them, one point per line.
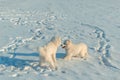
pixel 41 51
pixel 88 55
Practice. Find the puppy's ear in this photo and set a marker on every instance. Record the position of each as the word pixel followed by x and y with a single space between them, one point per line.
pixel 68 41
pixel 53 38
pixel 58 38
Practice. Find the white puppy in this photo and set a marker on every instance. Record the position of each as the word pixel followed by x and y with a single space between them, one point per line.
pixel 48 52
pixel 75 50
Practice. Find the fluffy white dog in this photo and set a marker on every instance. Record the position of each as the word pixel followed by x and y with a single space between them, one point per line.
pixel 48 53
pixel 75 50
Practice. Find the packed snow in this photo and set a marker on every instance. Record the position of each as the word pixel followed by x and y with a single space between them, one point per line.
pixel 28 24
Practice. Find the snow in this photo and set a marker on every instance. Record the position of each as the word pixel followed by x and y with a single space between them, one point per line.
pixel 28 24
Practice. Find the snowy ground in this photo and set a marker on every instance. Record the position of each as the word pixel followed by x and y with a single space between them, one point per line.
pixel 27 24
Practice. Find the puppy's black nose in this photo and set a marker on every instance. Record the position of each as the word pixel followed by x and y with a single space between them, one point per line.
pixel 61 44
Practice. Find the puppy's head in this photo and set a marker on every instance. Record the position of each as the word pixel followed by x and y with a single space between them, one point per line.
pixel 66 43
pixel 56 40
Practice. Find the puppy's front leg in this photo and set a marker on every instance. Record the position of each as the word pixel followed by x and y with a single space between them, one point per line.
pixel 68 57
pixel 54 58
pixel 52 64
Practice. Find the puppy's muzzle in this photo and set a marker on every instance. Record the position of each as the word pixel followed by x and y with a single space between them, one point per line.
pixel 63 46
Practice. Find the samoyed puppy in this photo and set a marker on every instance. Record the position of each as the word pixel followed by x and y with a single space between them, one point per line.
pixel 75 50
pixel 48 53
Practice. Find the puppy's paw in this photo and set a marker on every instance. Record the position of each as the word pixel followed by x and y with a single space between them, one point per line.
pixel 54 69
pixel 67 59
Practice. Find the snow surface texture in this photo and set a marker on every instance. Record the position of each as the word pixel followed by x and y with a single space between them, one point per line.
pixel 27 24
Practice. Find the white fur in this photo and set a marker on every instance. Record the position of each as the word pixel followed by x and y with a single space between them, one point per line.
pixel 48 52
pixel 75 50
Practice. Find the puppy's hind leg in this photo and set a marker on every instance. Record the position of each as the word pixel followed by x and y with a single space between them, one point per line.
pixel 84 55
pixel 41 61
pixel 54 58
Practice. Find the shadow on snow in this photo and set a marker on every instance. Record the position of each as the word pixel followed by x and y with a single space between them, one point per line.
pixel 21 63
